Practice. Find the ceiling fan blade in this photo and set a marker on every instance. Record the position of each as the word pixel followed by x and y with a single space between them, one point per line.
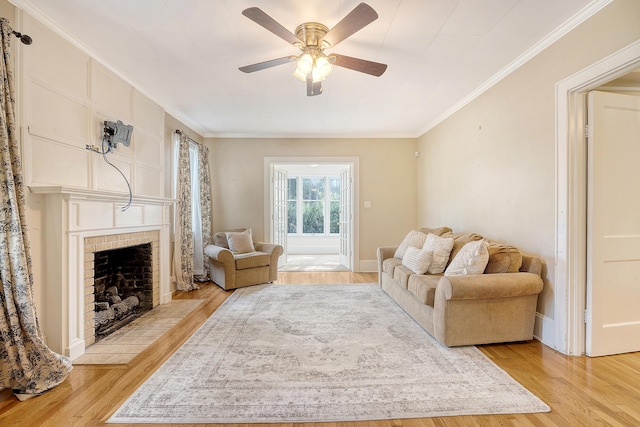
pixel 358 18
pixel 259 17
pixel 362 65
pixel 313 89
pixel 266 64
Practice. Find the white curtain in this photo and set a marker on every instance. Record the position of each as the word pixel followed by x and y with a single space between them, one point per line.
pixel 192 213
pixel 196 213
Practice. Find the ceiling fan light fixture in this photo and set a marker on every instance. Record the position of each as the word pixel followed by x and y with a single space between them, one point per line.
pixel 312 38
pixel 318 65
pixel 323 67
pixel 304 66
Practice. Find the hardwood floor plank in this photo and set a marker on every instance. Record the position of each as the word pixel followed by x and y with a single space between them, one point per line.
pixel 579 390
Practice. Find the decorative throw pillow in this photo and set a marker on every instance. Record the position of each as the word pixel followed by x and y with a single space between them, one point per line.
pixel 220 237
pixel 417 260
pixel 503 258
pixel 413 238
pixel 471 259
pixel 240 242
pixel 441 248
pixel 440 231
pixel 459 240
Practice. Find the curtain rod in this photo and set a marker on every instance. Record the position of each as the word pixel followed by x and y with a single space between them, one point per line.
pixel 180 132
pixel 25 39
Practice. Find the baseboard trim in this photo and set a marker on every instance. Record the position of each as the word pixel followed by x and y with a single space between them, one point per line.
pixel 544 331
pixel 368 266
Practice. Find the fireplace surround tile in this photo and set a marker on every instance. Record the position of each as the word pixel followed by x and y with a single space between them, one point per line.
pixel 109 242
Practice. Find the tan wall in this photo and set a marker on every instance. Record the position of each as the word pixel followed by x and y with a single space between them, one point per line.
pixel 387 179
pixel 7 10
pixel 490 168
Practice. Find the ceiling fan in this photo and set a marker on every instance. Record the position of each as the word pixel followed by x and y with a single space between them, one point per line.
pixel 312 38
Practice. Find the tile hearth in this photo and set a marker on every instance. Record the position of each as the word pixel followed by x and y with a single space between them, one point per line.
pixel 127 342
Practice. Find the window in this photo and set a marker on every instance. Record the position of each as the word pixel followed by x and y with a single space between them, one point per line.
pixel 334 205
pixel 313 205
pixel 292 205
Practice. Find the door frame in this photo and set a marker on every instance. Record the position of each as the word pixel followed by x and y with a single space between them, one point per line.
pixel 354 162
pixel 569 332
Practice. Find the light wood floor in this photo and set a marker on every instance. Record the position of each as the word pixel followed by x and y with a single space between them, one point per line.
pixel 581 391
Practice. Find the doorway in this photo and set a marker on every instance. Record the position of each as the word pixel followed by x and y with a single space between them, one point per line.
pixel 570 291
pixel 613 232
pixel 312 212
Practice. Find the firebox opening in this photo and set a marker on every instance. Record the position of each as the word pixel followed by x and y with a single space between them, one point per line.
pixel 123 287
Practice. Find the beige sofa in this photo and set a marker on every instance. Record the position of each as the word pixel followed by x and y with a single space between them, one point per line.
pixel 491 307
pixel 231 270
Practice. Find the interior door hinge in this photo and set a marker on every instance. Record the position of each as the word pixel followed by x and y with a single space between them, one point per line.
pixel 586 313
pixel 587 131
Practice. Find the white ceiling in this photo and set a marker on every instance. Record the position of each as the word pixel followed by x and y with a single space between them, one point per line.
pixel 185 55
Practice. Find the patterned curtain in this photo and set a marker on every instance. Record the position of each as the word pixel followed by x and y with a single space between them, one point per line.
pixel 183 245
pixel 205 205
pixel 183 253
pixel 27 365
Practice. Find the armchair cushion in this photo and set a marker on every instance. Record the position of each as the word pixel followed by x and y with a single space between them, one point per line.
pixel 240 242
pixel 251 260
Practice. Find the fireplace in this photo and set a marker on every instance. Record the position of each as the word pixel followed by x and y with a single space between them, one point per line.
pixel 121 283
pixel 80 223
pixel 123 287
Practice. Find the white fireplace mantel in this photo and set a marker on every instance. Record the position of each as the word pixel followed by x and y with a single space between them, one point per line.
pixel 73 214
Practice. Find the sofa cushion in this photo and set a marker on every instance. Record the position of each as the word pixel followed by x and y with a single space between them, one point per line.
pixel 240 242
pixel 503 258
pixel 389 264
pixel 401 275
pixel 417 260
pixel 251 260
pixel 471 259
pixel 441 247
pixel 413 238
pixel 459 240
pixel 424 287
pixel 440 231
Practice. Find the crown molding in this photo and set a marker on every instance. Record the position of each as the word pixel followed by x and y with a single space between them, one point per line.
pixel 569 25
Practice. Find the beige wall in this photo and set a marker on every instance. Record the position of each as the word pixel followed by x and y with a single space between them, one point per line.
pixel 387 179
pixel 490 168
pixel 7 10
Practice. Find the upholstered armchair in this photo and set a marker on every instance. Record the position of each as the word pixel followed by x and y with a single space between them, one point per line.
pixel 235 260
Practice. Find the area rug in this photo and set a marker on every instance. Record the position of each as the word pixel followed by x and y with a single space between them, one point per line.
pixel 319 353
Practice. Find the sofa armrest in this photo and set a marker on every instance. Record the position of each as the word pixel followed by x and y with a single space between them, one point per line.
pixel 218 253
pixel 485 308
pixel 384 253
pixel 489 286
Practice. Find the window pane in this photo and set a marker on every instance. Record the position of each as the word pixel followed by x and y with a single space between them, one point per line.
pixel 334 226
pixel 292 218
pixel 293 188
pixel 313 217
pixel 313 188
pixel 334 187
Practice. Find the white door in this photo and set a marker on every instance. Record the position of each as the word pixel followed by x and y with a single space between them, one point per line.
pixel 613 234
pixel 279 213
pixel 345 218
